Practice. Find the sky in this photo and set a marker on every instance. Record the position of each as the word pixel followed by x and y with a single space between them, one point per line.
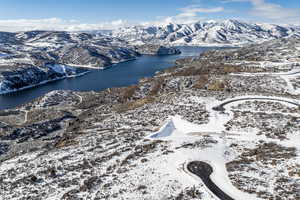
pixel 77 15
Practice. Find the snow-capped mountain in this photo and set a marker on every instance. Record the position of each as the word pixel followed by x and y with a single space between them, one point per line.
pixel 225 123
pixel 228 32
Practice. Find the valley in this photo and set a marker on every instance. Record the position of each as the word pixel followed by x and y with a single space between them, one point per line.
pixel 118 75
pixel 235 109
pixel 150 100
pixel 37 57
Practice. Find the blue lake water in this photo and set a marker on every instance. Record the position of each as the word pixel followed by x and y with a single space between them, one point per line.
pixel 119 75
pixel 3 55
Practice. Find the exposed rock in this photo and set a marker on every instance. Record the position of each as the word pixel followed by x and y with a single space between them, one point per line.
pixel 157 50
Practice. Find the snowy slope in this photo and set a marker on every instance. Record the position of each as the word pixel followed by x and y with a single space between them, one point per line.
pixel 228 32
pixel 242 119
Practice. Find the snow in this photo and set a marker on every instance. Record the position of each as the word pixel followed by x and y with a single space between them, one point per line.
pixel 5 90
pixel 286 76
pixel 165 172
pixel 66 70
pixel 176 128
pixel 179 131
pixel 207 33
pixel 290 88
pixel 216 158
pixel 259 98
pixel 59 68
pixel 165 175
pixel 42 44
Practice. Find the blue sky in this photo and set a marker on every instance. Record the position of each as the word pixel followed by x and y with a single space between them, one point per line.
pixel 106 14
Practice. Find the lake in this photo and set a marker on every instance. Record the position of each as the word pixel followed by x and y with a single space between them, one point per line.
pixel 119 75
pixel 3 55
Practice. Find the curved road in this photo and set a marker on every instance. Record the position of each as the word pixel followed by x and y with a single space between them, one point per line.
pixel 271 74
pixel 203 171
pixel 221 106
pixel 290 74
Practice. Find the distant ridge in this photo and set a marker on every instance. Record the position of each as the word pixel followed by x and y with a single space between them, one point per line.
pixel 210 33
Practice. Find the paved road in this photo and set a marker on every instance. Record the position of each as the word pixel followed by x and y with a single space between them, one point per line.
pixel 221 106
pixel 203 171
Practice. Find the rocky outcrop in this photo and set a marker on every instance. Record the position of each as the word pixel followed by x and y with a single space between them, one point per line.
pixel 156 50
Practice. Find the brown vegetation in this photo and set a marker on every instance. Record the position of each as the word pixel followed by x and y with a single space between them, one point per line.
pixel 133 104
pixel 128 92
pixel 65 142
pixel 158 83
pixel 202 81
pixel 217 85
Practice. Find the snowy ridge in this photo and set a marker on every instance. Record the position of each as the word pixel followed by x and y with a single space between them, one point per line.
pixel 241 118
pixel 209 33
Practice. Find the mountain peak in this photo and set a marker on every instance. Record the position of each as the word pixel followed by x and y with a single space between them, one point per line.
pixel 211 32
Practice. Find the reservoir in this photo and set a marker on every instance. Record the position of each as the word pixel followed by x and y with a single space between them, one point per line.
pixel 119 75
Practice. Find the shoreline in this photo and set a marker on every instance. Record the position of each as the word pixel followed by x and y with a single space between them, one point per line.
pixel 89 69
pixel 42 83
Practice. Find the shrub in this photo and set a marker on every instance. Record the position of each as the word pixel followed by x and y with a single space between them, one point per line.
pixel 134 104
pixel 217 85
pixel 128 92
pixel 202 81
pixel 156 86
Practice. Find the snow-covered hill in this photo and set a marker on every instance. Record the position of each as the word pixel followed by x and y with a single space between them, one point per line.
pixel 35 57
pixel 228 32
pixel 237 110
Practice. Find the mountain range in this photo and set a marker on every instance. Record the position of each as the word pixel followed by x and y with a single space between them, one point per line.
pixel 33 57
pixel 207 33
pixel 224 122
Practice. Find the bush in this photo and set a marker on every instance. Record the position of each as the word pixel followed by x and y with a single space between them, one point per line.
pixel 134 104
pixel 202 81
pixel 156 86
pixel 128 92
pixel 217 85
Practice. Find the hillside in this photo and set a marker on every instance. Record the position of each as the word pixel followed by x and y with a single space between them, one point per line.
pixel 237 110
pixel 207 33
pixel 32 58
